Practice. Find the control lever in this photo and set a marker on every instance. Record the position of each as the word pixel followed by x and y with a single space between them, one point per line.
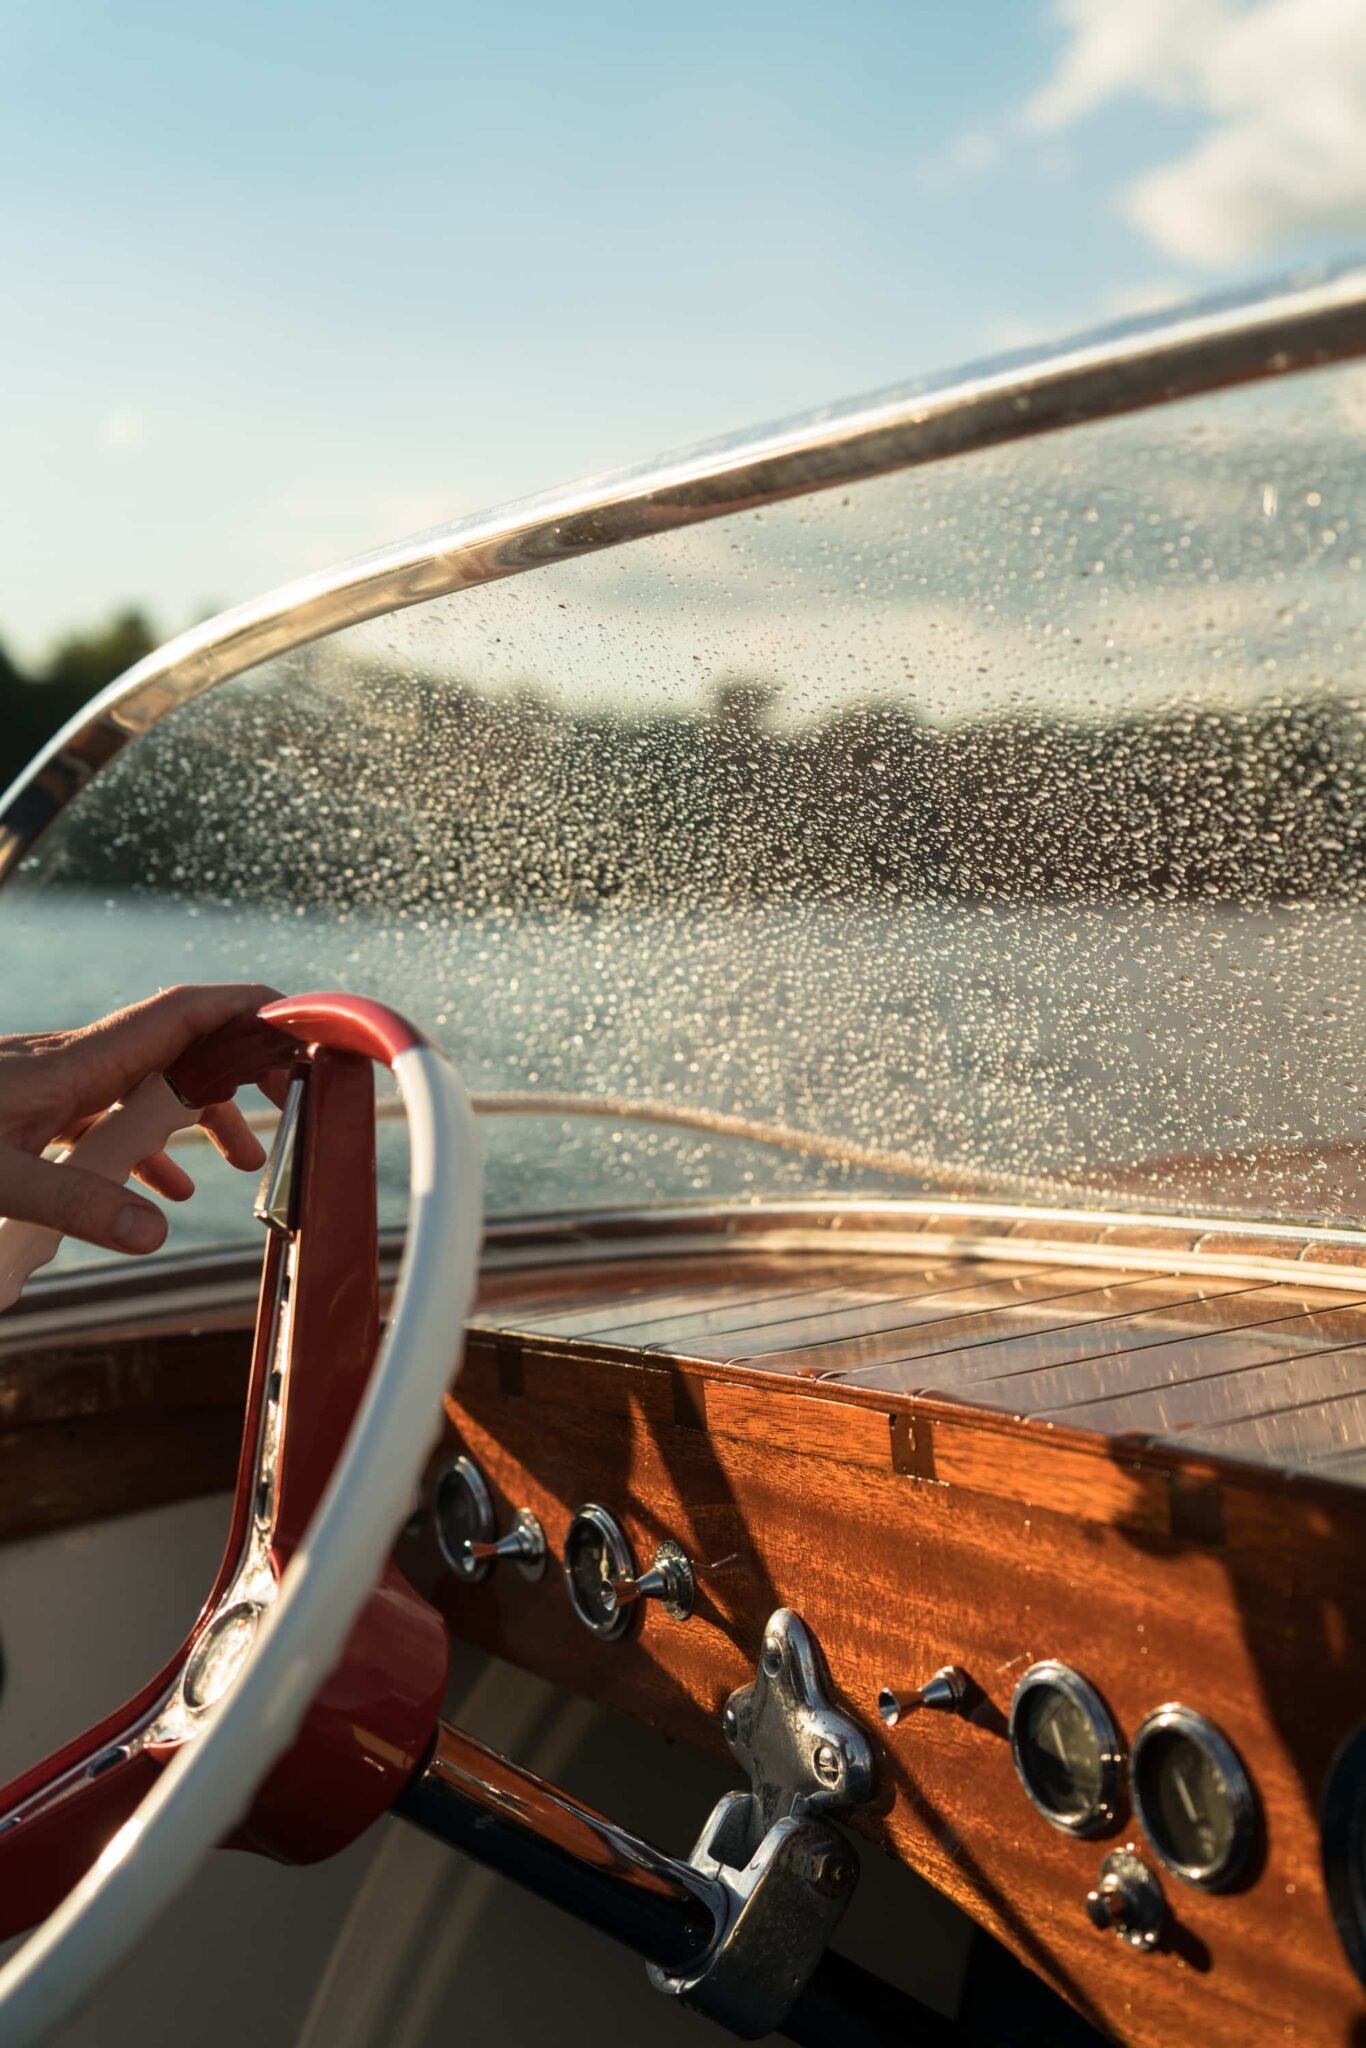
pixel 945 1693
pixel 740 1931
pixel 524 1545
pixel 787 1870
pixel 670 1580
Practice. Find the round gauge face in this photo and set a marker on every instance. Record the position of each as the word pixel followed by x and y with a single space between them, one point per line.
pixel 1065 1749
pixel 595 1553
pixel 1193 1796
pixel 1344 1847
pixel 464 1515
pixel 219 1655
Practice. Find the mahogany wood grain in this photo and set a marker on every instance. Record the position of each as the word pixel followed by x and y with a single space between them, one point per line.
pixel 1116 1318
pixel 910 1532
pixel 87 1469
pixel 909 1528
pixel 105 1428
pixel 816 1342
pixel 1152 1356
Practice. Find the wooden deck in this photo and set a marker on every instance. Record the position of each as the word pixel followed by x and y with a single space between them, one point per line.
pixel 1240 1368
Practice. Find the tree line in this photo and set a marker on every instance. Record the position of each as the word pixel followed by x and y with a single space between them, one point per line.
pixel 364 788
pixel 36 703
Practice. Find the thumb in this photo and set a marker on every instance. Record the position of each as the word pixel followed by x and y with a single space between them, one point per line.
pixel 77 1203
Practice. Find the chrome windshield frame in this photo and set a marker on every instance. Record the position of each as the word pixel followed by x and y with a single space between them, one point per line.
pixel 1295 326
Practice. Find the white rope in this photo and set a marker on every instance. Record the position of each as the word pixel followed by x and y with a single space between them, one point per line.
pixel 721 1124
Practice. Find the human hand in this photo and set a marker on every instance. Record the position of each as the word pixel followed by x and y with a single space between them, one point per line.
pixel 52 1084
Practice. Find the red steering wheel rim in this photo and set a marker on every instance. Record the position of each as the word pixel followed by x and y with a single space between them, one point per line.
pixel 372 1720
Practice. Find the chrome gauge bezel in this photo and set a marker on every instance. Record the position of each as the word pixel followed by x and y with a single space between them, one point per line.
pixel 1225 1870
pixel 1103 1812
pixel 1342 1824
pixel 464 1472
pixel 620 1556
pixel 197 1700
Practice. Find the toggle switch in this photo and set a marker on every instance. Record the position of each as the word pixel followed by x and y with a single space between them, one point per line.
pixel 942 1694
pixel 467 1527
pixel 669 1580
pixel 524 1546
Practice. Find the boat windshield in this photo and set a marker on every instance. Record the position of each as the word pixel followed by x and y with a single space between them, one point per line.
pixel 988 829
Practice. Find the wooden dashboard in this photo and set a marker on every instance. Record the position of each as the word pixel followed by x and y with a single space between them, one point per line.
pixel 982 1462
pixel 1131 1448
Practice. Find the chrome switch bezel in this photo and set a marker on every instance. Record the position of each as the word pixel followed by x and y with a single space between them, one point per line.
pixel 604 1525
pixel 465 1473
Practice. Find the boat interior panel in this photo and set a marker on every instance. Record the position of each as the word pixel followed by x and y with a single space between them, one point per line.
pixel 1193 1537
pixel 1190 1542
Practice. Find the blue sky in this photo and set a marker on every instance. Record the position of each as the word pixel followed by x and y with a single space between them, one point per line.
pixel 283 282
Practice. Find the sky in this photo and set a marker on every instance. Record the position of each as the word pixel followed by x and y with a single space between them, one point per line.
pixel 283 282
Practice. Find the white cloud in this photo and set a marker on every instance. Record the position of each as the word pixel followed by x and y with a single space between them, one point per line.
pixel 970 155
pixel 121 431
pixel 1134 300
pixel 1284 84
pixel 1157 48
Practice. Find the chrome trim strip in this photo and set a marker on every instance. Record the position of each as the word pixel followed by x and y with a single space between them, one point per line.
pixel 195 1284
pixel 504 1817
pixel 1115 370
pixel 886 1240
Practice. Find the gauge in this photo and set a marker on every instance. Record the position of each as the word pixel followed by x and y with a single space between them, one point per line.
pixel 219 1655
pixel 595 1554
pixel 1193 1797
pixel 464 1515
pixel 1344 1847
pixel 1065 1748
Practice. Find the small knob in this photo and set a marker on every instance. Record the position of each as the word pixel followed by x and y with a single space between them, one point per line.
pixel 1105 1904
pixel 1127 1901
pixel 669 1580
pixel 524 1546
pixel 942 1694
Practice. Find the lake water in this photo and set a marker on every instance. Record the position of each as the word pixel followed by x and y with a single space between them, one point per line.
pixel 1030 1041
pixel 1117 664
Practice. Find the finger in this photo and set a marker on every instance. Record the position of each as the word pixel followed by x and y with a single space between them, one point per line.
pixel 111 1056
pixel 233 1136
pixel 274 1085
pixel 69 1133
pixel 164 1176
pixel 78 1203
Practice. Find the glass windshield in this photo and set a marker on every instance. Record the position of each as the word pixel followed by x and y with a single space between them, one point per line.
pixel 992 828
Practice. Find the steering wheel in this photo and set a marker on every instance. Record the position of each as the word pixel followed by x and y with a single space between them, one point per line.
pixel 309 1689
